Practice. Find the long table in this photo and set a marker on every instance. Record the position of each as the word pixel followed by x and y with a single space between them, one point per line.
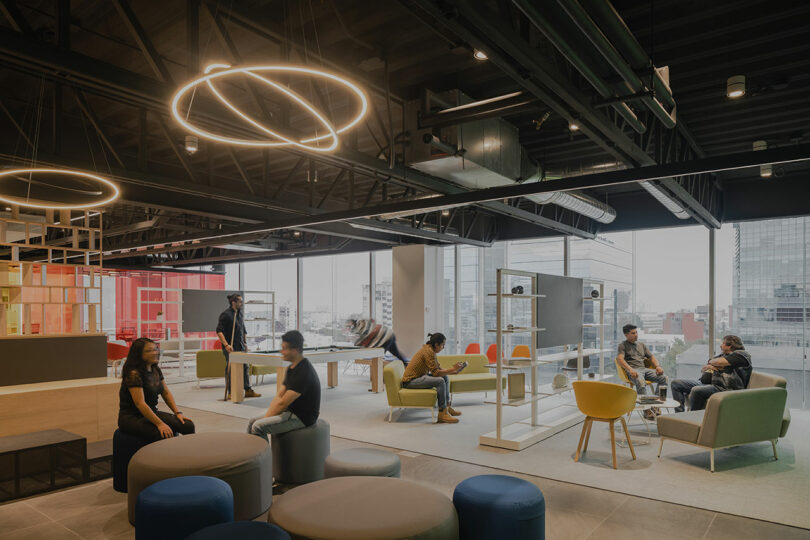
pixel 316 355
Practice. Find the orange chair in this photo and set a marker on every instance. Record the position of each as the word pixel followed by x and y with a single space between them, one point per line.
pixel 115 355
pixel 521 351
pixel 491 353
pixel 603 402
pixel 473 348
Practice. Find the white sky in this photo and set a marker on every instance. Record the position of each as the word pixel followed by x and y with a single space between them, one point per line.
pixel 673 268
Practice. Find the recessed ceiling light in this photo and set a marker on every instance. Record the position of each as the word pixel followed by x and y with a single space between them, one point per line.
pixel 573 126
pixel 735 86
pixel 480 55
pixel 445 212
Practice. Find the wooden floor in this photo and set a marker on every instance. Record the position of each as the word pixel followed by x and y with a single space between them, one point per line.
pixel 96 511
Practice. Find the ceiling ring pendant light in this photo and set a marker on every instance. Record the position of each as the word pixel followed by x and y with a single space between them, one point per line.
pixel 217 73
pixel 106 192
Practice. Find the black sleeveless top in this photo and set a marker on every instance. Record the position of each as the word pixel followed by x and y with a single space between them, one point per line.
pixel 150 381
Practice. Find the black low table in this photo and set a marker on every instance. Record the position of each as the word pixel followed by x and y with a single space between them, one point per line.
pixel 41 461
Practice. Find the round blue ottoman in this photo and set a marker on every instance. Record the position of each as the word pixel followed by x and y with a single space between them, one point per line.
pixel 176 507
pixel 243 530
pixel 494 507
pixel 124 447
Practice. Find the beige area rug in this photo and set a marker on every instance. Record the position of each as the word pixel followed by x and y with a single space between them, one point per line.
pixel 748 482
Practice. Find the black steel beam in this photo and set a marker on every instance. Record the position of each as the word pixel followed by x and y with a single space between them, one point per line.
pixel 142 39
pixel 655 172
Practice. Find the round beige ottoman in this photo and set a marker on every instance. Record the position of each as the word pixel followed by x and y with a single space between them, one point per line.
pixel 365 508
pixel 244 461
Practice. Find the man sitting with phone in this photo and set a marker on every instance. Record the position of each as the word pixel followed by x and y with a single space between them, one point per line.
pixel 424 371
pixel 729 371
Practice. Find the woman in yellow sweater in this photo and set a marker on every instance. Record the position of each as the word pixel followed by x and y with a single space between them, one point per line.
pixel 423 371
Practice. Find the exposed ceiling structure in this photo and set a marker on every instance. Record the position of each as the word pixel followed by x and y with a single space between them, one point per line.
pixel 565 129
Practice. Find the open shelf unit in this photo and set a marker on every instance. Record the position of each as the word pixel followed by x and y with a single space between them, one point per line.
pixel 259 315
pixel 50 273
pixel 564 414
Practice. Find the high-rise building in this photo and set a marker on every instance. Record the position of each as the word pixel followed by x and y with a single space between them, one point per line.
pixel 383 302
pixel 769 305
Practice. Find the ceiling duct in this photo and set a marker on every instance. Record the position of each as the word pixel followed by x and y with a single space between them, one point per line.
pixel 486 153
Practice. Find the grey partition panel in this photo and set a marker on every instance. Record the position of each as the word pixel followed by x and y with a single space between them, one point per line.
pixel 201 309
pixel 57 358
pixel 560 310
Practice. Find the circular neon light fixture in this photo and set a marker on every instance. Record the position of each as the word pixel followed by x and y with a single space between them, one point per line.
pixel 34 188
pixel 215 74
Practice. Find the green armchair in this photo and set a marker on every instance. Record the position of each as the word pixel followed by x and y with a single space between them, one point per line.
pixel 210 364
pixel 732 418
pixel 404 398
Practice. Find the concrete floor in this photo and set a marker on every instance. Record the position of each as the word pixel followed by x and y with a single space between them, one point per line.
pixel 96 511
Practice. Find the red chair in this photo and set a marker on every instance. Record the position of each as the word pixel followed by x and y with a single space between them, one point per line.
pixel 491 353
pixel 115 355
pixel 473 348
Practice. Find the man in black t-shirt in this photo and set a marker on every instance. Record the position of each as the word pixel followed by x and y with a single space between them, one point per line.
pixel 729 371
pixel 298 402
pixel 233 338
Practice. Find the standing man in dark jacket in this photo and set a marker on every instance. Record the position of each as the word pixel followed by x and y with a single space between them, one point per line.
pixel 233 337
pixel 729 371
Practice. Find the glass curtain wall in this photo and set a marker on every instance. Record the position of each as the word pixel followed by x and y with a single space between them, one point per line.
pixel 383 288
pixel 469 300
pixel 769 305
pixel 449 284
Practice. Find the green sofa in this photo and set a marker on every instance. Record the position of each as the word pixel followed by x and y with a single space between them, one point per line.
pixel 755 414
pixel 405 398
pixel 476 377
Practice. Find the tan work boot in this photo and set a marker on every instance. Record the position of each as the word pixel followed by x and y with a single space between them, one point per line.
pixel 445 418
pixel 452 411
pixel 251 393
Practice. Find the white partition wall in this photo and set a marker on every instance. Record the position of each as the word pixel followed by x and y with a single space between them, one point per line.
pixel 418 295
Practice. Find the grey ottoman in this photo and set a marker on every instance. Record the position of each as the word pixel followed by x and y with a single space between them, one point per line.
pixel 243 461
pixel 298 455
pixel 362 462
pixel 365 508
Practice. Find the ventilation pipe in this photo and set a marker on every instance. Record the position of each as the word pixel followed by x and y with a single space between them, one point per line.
pixel 575 201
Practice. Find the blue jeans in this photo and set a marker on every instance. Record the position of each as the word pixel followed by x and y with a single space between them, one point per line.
pixel 698 393
pixel 646 374
pixel 441 385
pixel 264 425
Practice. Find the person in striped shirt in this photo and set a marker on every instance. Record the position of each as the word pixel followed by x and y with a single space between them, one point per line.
pixel 371 334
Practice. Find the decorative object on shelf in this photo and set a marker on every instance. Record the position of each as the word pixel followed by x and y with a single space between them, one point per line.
pixel 217 74
pixel 510 326
pixel 46 188
pixel 559 381
pixel 591 375
pixel 594 294
pixel 517 290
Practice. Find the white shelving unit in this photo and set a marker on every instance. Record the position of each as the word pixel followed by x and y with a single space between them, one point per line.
pixel 181 345
pixel 541 424
pixel 266 301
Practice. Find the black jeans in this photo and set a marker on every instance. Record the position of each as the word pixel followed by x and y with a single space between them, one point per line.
pixel 139 426
pixel 391 347
pixel 698 393
pixel 227 373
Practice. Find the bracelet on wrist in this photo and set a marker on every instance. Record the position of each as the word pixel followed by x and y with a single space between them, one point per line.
pixel 178 412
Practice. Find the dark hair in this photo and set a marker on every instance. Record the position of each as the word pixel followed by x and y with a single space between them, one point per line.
pixel 294 339
pixel 435 339
pixel 627 328
pixel 135 356
pixel 734 342
pixel 232 298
